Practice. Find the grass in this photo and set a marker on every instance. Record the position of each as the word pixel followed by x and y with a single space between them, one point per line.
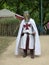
pixel 5 42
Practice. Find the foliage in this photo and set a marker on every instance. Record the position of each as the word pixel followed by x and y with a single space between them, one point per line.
pixel 8 20
pixel 33 6
pixel 9 26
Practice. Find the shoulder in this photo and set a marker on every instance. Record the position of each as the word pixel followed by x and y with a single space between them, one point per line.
pixel 32 20
pixel 22 22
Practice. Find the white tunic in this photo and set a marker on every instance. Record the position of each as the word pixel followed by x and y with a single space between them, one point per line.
pixel 24 37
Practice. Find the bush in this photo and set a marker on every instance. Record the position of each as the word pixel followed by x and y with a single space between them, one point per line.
pixel 9 26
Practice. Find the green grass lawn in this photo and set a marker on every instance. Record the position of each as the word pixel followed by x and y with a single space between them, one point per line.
pixel 5 42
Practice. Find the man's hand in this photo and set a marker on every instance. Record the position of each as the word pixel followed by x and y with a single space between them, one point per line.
pixel 22 34
pixel 33 33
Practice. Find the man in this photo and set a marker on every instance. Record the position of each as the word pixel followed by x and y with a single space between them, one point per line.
pixel 28 38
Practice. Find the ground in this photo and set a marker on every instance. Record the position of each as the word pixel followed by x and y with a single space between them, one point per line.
pixel 8 57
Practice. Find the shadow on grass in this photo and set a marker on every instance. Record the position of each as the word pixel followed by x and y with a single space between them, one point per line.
pixel 5 42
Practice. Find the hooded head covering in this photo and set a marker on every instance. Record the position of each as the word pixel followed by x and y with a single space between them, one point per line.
pixel 26 15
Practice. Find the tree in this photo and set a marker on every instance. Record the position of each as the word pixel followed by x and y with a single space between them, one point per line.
pixel 19 6
pixel 45 10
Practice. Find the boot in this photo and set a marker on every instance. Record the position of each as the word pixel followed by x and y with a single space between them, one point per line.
pixel 25 53
pixel 32 53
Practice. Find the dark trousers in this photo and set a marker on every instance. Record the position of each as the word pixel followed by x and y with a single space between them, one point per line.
pixel 27 47
pixel 31 53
